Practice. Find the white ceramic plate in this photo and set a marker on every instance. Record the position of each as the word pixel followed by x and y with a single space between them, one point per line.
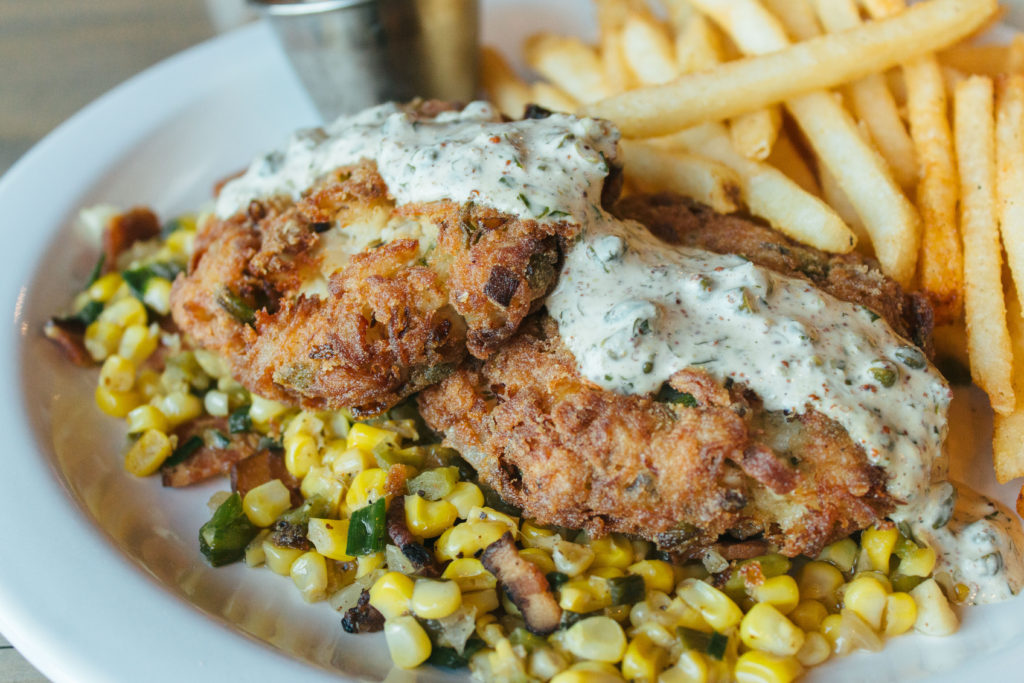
pixel 100 575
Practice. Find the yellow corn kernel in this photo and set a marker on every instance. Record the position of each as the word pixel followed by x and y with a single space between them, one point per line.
pixel 657 574
pixel 179 407
pixel 920 562
pixel 489 630
pixel 105 287
pixel 579 595
pixel 815 650
pixel 391 593
pixel 309 574
pixel 428 519
pixel 779 591
pixel 367 487
pixel 866 596
pixel 124 312
pixel 934 615
pixel 180 241
pixel 465 496
pixel 254 555
pixel 614 550
pixel 158 295
pixel 366 437
pixel 691 667
pixel 878 544
pixel 147 382
pixel 320 482
pixel 605 572
pixel 763 667
pixel 643 659
pixel 330 538
pixel 300 454
pixel 766 629
pixel 266 502
pixel 466 539
pixel 435 599
pixel 117 374
pixel 367 564
pixel 351 460
pixel 407 642
pixel 102 339
pixel 900 614
pixel 470 574
pixel 212 363
pixel 216 403
pixel 147 454
pixel 808 615
pixel 598 638
pixel 534 536
pixel 117 403
pixel 830 628
pixel 585 676
pixel 842 553
pixel 278 559
pixel 539 557
pixel 263 411
pixel 304 422
pixel 545 663
pixel 714 606
pixel 572 559
pixel 658 634
pixel 483 514
pixel 146 417
pixel 484 601
pixel 138 342
pixel 820 581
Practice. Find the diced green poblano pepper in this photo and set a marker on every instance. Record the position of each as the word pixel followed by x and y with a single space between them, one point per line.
pixel 223 539
pixel 367 529
pixel 625 590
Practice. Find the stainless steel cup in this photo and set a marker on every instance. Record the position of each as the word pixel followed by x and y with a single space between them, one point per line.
pixel 352 54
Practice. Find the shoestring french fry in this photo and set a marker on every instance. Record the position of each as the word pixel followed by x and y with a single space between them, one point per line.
pixel 570 64
pixel 986 60
pixel 648 50
pixel 988 340
pixel 797 16
pixel 552 97
pixel 611 16
pixel 501 83
pixel 653 169
pixel 753 134
pixel 788 159
pixel 1008 430
pixel 698 45
pixel 888 216
pixel 837 199
pixel 823 62
pixel 1010 174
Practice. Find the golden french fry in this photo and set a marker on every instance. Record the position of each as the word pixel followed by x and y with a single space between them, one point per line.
pixel 1010 174
pixel 888 216
pixel 503 87
pixel 988 340
pixel 617 73
pixel 769 193
pixel 552 97
pixel 754 133
pixel 787 158
pixel 656 169
pixel 569 63
pixel 987 60
pixel 1008 430
pixel 648 50
pixel 679 12
pixel 797 16
pixel 823 62
pixel 698 45
pixel 838 200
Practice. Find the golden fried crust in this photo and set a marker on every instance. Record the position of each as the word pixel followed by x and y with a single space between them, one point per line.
pixel 395 317
pixel 573 454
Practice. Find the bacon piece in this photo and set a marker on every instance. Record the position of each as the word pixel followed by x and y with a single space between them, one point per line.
pixel 207 461
pixel 364 617
pixel 761 464
pixel 69 338
pixel 525 584
pixel 260 468
pixel 124 230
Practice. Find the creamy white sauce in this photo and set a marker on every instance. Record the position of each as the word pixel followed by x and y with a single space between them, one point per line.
pixel 547 169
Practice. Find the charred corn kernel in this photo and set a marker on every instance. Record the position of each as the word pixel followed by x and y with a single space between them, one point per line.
pixel 147 454
pixel 614 550
pixel 598 638
pixel 878 544
pixel 643 659
pixel 579 596
pixel 105 287
pixel 102 338
pixel 934 615
pixel 158 295
pixel 367 487
pixel 779 591
pixel 819 581
pixel 320 482
pixel 300 454
pixel 717 608
pixel 572 559
pixel 842 553
pixel 866 596
pixel 212 363
pixel 309 574
pixel 534 536
pixel 124 312
pixel 830 628
pixel 435 599
pixel 469 573
pixel 330 538
pixel 815 650
pixel 763 667
pixel 465 496
pixel 179 407
pixel 482 514
pixel 367 564
pixel 117 373
pixel 407 642
pixel 391 593
pixel 691 667
pixel 766 629
pixel 263 411
pixel 545 663
pixel 539 557
pixel 117 403
pixel 920 562
pixel 366 437
pixel 808 615
pixel 147 382
pixel 146 417
pixel 278 559
pixel 216 403
pixel 484 601
pixel 427 518
pixel 466 539
pixel 351 461
pixel 138 342
pixel 266 502
pixel 657 574
pixel 900 614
